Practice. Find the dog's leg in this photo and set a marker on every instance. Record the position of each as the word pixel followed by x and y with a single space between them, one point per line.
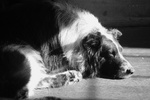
pixel 60 79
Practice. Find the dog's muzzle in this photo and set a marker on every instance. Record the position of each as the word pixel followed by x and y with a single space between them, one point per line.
pixel 126 70
pixel 115 68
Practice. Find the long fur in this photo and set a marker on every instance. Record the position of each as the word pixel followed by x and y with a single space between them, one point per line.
pixel 52 44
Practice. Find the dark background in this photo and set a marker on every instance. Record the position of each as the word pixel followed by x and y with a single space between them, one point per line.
pixel 131 17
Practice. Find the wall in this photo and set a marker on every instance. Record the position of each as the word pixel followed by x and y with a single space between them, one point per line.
pixel 131 17
pixel 118 12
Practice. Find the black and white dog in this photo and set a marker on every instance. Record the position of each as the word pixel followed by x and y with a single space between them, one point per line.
pixel 52 44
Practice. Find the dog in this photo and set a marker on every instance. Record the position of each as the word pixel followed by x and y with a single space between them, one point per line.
pixel 50 44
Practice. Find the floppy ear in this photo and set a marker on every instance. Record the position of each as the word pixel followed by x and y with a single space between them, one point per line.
pixel 116 33
pixel 92 42
pixel 91 45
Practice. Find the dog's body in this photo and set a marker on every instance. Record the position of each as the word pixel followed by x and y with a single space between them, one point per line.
pixel 49 44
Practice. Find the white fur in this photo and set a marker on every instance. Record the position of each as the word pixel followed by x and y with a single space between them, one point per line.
pixel 71 36
pixel 85 24
pixel 37 69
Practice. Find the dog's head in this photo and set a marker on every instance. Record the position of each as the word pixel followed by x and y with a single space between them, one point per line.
pixel 93 49
pixel 103 55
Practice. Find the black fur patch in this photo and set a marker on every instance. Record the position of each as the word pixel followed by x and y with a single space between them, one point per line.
pixel 92 47
pixel 13 66
pixel 110 62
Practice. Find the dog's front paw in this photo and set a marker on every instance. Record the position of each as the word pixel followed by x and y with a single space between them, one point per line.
pixel 66 78
pixel 73 77
pixel 60 79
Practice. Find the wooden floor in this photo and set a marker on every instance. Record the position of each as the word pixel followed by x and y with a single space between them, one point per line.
pixel 135 88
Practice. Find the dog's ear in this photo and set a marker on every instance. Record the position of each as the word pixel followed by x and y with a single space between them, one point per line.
pixel 116 33
pixel 92 42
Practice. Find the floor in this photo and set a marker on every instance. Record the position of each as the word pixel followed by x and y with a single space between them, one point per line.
pixel 135 88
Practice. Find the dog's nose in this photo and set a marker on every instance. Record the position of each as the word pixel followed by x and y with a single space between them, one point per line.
pixel 129 71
